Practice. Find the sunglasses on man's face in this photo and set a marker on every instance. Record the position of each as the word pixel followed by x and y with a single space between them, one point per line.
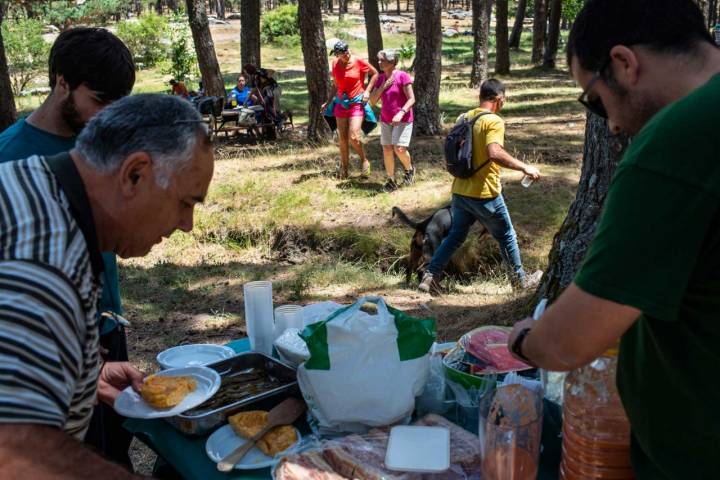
pixel 594 103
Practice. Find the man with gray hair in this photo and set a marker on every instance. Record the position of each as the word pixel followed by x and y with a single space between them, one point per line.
pixel 138 169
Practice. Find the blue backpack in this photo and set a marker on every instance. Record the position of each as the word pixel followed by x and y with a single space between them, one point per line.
pixel 458 149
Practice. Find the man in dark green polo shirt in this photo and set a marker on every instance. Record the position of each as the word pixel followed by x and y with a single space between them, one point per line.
pixel 652 275
pixel 89 68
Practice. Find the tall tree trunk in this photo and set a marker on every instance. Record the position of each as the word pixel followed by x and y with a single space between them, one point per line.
pixel 159 7
pixel 600 157
pixel 8 113
pixel 138 8
pixel 205 48
pixel 398 7
pixel 553 38
pixel 312 37
pixel 372 29
pixel 172 5
pixel 250 32
pixel 539 31
pixel 518 25
pixel 481 43
pixel 220 9
pixel 502 48
pixel 428 38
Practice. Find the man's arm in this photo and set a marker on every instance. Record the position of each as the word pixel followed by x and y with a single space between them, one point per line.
pixel 576 329
pixel 497 154
pixel 39 452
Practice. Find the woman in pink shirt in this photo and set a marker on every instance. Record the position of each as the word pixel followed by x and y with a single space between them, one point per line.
pixel 396 117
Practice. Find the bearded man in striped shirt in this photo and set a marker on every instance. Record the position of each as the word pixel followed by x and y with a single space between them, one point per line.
pixel 135 175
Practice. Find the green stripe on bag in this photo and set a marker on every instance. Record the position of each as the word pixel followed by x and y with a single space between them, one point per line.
pixel 414 340
pixel 315 336
pixel 415 335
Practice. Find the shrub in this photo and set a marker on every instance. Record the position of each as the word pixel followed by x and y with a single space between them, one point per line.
pixel 26 51
pixel 406 52
pixel 144 37
pixel 281 22
pixel 182 61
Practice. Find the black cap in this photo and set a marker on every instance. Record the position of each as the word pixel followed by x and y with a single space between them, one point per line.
pixel 341 46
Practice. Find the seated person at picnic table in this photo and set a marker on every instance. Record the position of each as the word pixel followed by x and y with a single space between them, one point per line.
pixel 179 88
pixel 241 94
pixel 144 161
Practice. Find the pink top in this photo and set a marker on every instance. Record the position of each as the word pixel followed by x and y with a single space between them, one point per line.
pixel 394 97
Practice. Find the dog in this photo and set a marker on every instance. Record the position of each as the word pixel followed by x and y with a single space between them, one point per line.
pixel 428 236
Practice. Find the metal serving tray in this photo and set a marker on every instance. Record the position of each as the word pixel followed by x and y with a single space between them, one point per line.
pixel 204 422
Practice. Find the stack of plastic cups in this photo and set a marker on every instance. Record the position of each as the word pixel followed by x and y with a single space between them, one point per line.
pixel 288 316
pixel 259 316
pixel 596 432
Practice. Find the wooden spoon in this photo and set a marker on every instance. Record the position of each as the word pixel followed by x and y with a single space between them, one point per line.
pixel 284 413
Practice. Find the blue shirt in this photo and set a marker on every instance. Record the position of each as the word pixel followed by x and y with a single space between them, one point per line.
pixel 22 140
pixel 241 95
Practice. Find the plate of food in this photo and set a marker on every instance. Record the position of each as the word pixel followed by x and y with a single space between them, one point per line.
pixel 169 393
pixel 244 425
pixel 196 355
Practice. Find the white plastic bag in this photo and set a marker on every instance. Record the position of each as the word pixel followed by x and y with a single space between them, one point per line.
pixel 365 370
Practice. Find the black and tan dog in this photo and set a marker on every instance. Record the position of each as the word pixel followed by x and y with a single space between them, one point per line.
pixel 428 236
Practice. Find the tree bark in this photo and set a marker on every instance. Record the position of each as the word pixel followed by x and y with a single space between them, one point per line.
pixel 481 43
pixel 220 9
pixel 315 56
pixel 553 37
pixel 205 48
pixel 428 38
pixel 518 25
pixel 372 29
pixel 159 7
pixel 539 31
pixel 250 32
pixel 8 114
pixel 172 5
pixel 600 157
pixel 502 48
pixel 398 7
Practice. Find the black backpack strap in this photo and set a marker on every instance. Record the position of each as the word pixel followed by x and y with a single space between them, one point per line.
pixel 472 122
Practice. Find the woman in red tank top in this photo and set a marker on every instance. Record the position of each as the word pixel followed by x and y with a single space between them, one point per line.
pixel 348 72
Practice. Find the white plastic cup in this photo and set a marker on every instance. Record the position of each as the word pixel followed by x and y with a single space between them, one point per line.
pixel 526 181
pixel 259 316
pixel 288 316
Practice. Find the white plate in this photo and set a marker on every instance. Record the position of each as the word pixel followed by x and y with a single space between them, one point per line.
pixel 196 355
pixel 224 440
pixel 130 404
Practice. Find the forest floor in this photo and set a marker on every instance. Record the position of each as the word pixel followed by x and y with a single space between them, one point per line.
pixel 275 212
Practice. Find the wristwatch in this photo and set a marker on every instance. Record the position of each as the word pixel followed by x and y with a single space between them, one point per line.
pixel 516 347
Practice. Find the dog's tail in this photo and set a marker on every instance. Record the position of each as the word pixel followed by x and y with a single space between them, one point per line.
pixel 403 218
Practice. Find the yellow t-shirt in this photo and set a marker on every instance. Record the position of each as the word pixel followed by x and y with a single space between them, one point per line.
pixel 485 183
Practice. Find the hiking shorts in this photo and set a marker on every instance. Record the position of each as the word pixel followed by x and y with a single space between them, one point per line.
pixel 397 135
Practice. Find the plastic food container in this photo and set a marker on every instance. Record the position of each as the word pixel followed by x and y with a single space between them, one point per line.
pixel 418 449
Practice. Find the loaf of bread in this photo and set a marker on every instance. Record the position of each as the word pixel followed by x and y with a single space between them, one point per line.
pixel 305 466
pixel 166 391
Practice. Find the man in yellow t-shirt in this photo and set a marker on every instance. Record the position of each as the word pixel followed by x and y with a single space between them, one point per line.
pixel 479 198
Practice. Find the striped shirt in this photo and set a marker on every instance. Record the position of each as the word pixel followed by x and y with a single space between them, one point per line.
pixel 50 268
